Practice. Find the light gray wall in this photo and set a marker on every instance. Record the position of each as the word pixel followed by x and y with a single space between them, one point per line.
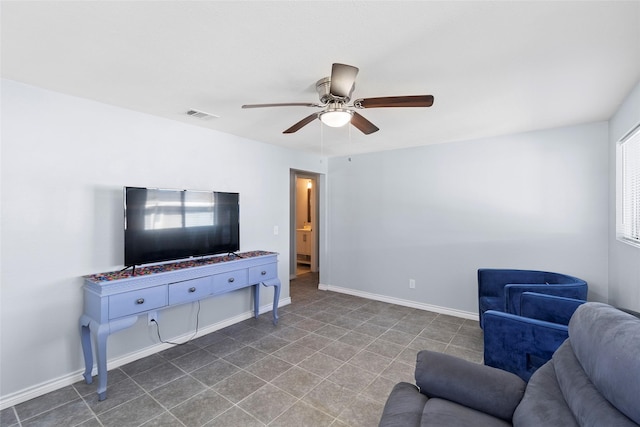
pixel 438 213
pixel 64 163
pixel 624 259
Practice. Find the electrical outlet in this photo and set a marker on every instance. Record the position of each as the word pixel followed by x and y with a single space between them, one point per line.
pixel 412 283
pixel 276 230
pixel 152 317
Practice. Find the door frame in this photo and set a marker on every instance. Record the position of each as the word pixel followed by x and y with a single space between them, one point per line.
pixel 315 230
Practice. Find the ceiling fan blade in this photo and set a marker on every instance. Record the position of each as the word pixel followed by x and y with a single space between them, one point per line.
pixel 363 125
pixel 286 104
pixel 302 123
pixel 395 101
pixel 342 78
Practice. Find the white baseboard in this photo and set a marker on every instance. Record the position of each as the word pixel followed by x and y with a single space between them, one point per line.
pixel 407 303
pixel 66 380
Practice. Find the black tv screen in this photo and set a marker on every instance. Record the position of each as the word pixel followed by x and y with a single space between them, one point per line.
pixel 163 225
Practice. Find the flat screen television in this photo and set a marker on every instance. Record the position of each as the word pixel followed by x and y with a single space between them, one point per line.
pixel 163 225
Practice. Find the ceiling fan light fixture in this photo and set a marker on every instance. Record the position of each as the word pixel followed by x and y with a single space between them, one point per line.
pixel 336 118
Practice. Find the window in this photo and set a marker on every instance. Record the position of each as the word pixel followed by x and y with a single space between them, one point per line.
pixel 628 217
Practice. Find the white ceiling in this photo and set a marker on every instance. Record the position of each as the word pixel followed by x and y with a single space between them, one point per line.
pixel 494 67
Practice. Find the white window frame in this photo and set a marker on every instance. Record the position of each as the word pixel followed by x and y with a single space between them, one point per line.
pixel 628 188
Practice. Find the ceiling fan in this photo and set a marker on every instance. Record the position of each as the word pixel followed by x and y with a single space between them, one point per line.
pixel 335 93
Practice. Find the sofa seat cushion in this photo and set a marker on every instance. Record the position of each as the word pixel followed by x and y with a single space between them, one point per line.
pixel 443 413
pixel 404 407
pixel 543 403
pixel 606 342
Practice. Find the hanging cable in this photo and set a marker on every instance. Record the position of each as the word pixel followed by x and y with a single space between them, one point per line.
pixel 190 338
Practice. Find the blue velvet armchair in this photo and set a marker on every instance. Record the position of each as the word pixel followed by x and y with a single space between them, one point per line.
pixel 500 289
pixel 522 343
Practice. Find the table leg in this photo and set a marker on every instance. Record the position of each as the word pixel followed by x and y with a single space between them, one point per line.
pixel 276 300
pixel 101 336
pixel 85 338
pixel 276 296
pixel 256 300
pixel 101 333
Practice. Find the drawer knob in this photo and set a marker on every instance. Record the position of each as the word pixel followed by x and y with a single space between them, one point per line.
pixel 231 279
pixel 264 273
pixel 192 289
pixel 140 301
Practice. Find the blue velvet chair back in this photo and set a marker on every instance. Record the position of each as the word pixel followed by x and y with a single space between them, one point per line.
pixel 501 289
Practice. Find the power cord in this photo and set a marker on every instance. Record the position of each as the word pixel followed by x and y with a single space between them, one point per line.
pixel 178 343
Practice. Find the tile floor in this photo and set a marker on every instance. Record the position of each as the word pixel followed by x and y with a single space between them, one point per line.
pixel 331 361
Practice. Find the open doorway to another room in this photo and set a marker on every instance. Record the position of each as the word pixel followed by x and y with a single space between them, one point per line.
pixel 304 225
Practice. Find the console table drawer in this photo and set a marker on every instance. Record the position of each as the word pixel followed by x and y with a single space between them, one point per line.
pixel 134 302
pixel 232 280
pixel 189 290
pixel 262 273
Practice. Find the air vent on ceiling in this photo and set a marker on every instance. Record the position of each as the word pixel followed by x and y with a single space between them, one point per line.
pixel 201 115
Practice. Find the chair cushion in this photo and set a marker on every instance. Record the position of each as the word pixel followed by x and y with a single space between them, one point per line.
pixel 606 342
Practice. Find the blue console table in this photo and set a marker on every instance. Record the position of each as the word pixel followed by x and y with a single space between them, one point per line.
pixel 113 301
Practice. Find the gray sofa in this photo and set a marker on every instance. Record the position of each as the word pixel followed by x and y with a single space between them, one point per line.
pixel 593 379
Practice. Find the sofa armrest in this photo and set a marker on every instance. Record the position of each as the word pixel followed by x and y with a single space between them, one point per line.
pixel 479 387
pixel 549 308
pixel 518 344
pixel 404 407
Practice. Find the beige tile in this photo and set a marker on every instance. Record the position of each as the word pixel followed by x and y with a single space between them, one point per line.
pixel 297 381
pixel 238 386
pixel 385 348
pixel 302 415
pixel 234 417
pixel 200 409
pixel 362 412
pixel 463 353
pixel 397 337
pixel 267 403
pixel 215 372
pixel 379 389
pixel 370 362
pixel 399 371
pixel 268 368
pixel 423 343
pixel 329 397
pixel 340 350
pixel 245 356
pixel 321 364
pixel 294 353
pixel 177 391
pixel 133 412
pixel 352 377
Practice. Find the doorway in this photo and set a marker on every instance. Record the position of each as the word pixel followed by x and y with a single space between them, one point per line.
pixel 304 244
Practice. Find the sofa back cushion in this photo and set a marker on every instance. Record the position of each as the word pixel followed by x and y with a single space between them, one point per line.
pixel 588 406
pixel 543 403
pixel 606 343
